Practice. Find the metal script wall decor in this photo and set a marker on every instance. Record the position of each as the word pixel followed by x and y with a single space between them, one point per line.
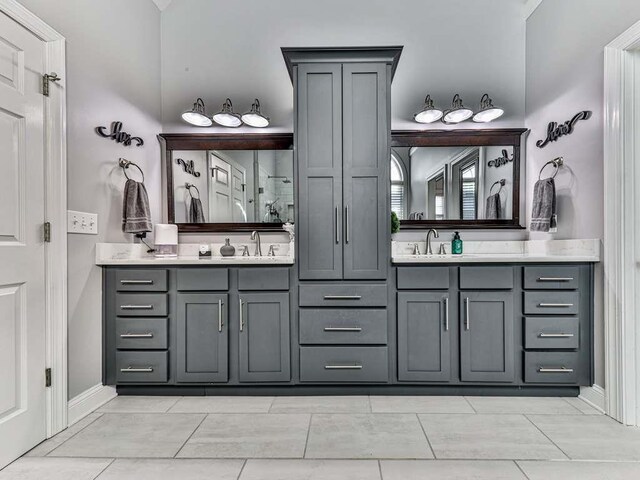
pixel 500 161
pixel 189 166
pixel 555 131
pixel 118 135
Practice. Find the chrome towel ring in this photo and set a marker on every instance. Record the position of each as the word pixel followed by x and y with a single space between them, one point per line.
pixel 125 164
pixel 556 162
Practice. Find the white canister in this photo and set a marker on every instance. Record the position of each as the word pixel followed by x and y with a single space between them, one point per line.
pixel 166 240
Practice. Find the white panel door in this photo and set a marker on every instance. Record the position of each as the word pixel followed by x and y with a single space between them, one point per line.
pixel 238 187
pixel 22 294
pixel 220 194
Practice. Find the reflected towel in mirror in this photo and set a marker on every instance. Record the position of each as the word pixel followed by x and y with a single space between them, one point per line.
pixel 493 208
pixel 196 213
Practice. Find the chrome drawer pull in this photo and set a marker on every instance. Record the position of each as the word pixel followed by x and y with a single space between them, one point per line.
pixel 346 224
pixel 137 370
pixel 555 279
pixel 136 335
pixel 220 315
pixel 337 226
pixel 342 329
pixel 136 282
pixel 555 370
pixel 241 316
pixel 342 297
pixel 136 307
pixel 555 305
pixel 343 367
pixel 555 335
pixel 466 317
pixel 446 314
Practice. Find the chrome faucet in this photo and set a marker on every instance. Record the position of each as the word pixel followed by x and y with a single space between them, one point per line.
pixel 272 250
pixel 429 233
pixel 256 236
pixel 416 249
pixel 245 250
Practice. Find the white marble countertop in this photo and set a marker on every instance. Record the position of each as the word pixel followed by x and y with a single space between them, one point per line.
pixel 532 251
pixel 136 254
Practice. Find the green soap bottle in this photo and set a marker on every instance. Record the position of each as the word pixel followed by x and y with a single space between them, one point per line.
pixel 456 244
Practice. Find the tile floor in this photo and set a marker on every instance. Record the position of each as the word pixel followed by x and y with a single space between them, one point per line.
pixel 333 438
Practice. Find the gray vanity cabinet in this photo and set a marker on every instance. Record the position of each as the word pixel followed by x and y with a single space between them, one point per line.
pixel 424 338
pixel 202 338
pixel 487 339
pixel 263 325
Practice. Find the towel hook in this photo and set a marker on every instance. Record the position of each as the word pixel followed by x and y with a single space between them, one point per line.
pixel 500 182
pixel 125 164
pixel 556 162
pixel 189 186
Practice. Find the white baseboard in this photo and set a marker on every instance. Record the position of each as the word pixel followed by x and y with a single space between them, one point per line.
pixel 82 405
pixel 594 396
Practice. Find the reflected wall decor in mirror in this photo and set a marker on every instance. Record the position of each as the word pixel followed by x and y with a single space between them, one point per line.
pixel 457 178
pixel 233 182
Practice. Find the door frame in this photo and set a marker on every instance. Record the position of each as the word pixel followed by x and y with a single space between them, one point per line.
pixel 621 209
pixel 55 164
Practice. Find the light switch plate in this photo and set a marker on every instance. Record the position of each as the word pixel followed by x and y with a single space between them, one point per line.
pixel 82 222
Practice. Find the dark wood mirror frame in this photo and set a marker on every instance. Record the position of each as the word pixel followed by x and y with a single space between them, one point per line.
pixel 205 141
pixel 467 138
pixel 399 138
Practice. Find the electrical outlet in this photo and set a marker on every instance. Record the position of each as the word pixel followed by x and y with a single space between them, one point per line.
pixel 81 222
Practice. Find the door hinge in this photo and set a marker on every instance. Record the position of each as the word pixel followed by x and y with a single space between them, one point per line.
pixel 47 377
pixel 47 78
pixel 47 232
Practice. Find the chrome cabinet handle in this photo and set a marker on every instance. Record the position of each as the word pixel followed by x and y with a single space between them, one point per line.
pixel 556 305
pixel 337 225
pixel 137 370
pixel 343 367
pixel 342 329
pixel 555 335
pixel 219 315
pixel 136 282
pixel 466 314
pixel 136 307
pixel 342 297
pixel 346 224
pixel 555 370
pixel 555 279
pixel 136 335
pixel 446 314
pixel 241 316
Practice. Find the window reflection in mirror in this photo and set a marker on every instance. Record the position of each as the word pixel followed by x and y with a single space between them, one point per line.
pixel 452 183
pixel 234 186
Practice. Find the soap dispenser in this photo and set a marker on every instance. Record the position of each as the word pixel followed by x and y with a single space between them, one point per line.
pixel 456 244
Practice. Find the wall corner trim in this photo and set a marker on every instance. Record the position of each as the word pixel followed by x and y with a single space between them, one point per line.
pixel 530 7
pixel 594 396
pixel 88 401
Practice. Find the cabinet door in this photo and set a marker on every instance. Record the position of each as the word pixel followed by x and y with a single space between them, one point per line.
pixel 202 338
pixel 318 133
pixel 264 337
pixel 366 159
pixel 424 341
pixel 486 337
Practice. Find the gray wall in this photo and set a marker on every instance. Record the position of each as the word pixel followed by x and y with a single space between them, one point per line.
pixel 565 72
pixel 448 49
pixel 113 68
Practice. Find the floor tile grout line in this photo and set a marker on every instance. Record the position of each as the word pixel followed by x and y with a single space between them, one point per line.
pixel 520 468
pixel 273 400
pixel 189 437
pixel 104 469
pixel 100 415
pixel 178 398
pixel 306 442
pixel 546 436
pixel 573 406
pixel 470 404
pixel 370 404
pixel 380 470
pixel 424 432
pixel 242 468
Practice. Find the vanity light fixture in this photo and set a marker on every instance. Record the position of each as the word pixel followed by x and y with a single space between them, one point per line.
pixel 227 117
pixel 488 112
pixel 457 113
pixel 429 113
pixel 197 116
pixel 254 118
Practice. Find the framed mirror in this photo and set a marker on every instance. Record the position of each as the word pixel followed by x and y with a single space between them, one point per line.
pixel 238 182
pixel 457 178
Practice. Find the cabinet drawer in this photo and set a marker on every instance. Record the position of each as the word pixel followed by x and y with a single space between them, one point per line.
pixel 423 278
pixel 343 326
pixel 552 303
pixel 263 279
pixel 141 367
pixel 551 332
pixel 551 277
pixel 486 278
pixel 202 279
pixel 344 364
pixel 551 367
pixel 141 304
pixel 128 280
pixel 141 333
pixel 343 295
